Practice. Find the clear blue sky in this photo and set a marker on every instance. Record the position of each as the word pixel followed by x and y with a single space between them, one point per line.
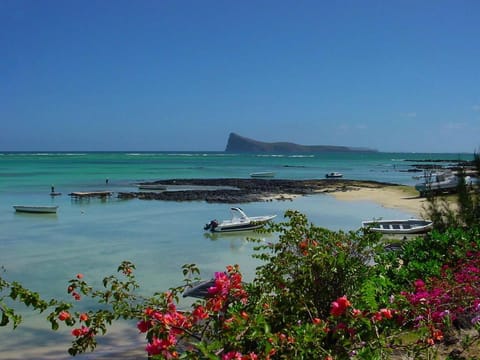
pixel 399 75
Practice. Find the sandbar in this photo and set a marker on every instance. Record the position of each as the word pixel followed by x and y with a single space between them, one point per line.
pixel 393 197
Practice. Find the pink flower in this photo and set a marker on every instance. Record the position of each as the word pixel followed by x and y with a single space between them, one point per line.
pixel 419 284
pixel 232 355
pixel 356 312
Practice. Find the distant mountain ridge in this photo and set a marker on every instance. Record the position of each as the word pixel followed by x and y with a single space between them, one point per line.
pixel 240 144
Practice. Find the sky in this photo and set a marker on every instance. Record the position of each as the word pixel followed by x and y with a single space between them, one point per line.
pixel 181 75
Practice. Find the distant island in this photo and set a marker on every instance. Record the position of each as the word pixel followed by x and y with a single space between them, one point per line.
pixel 240 144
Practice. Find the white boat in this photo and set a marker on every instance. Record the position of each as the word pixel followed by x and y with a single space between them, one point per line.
pixel 36 209
pixel 151 187
pixel 239 222
pixel 409 226
pixel 437 182
pixel 262 174
pixel 333 175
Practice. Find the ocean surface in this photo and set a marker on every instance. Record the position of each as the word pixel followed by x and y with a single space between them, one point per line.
pixel 93 236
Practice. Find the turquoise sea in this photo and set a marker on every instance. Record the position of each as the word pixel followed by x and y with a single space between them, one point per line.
pixel 93 236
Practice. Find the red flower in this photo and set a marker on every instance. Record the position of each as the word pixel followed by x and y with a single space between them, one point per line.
pixel 144 325
pixel 386 313
pixel 80 331
pixel 64 315
pixel 377 316
pixel 79 276
pixel 339 306
pixel 199 313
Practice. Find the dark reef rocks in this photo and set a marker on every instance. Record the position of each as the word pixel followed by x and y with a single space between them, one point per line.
pixel 244 190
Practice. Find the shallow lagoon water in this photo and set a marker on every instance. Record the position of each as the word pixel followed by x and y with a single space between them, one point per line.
pixel 94 237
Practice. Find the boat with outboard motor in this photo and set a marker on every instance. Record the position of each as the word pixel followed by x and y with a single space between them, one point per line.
pixel 239 222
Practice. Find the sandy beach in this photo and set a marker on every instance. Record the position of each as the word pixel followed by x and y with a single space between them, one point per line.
pixel 394 197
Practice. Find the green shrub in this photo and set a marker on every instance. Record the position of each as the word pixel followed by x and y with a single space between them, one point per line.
pixel 424 257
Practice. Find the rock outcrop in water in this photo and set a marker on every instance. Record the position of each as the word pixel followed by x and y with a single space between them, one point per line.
pixel 234 191
pixel 239 144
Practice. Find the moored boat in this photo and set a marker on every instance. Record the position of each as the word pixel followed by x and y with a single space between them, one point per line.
pixel 437 182
pixel 36 209
pixel 408 226
pixel 333 175
pixel 239 222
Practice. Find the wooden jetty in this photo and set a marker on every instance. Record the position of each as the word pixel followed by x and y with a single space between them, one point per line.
pixel 89 194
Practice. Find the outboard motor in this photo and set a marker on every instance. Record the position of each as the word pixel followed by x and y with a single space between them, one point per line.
pixel 211 226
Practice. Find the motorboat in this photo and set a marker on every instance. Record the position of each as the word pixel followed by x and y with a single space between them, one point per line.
pixel 262 174
pixel 239 222
pixel 333 175
pixel 408 226
pixel 437 182
pixel 36 209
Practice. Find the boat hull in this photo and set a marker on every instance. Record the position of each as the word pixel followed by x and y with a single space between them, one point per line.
pixel 235 228
pixel 402 227
pixel 36 209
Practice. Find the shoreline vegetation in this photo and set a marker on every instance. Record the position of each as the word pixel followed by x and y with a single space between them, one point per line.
pixel 253 190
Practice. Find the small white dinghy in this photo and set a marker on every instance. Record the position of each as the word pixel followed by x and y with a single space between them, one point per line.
pixel 36 209
pixel 239 222
pixel 409 226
